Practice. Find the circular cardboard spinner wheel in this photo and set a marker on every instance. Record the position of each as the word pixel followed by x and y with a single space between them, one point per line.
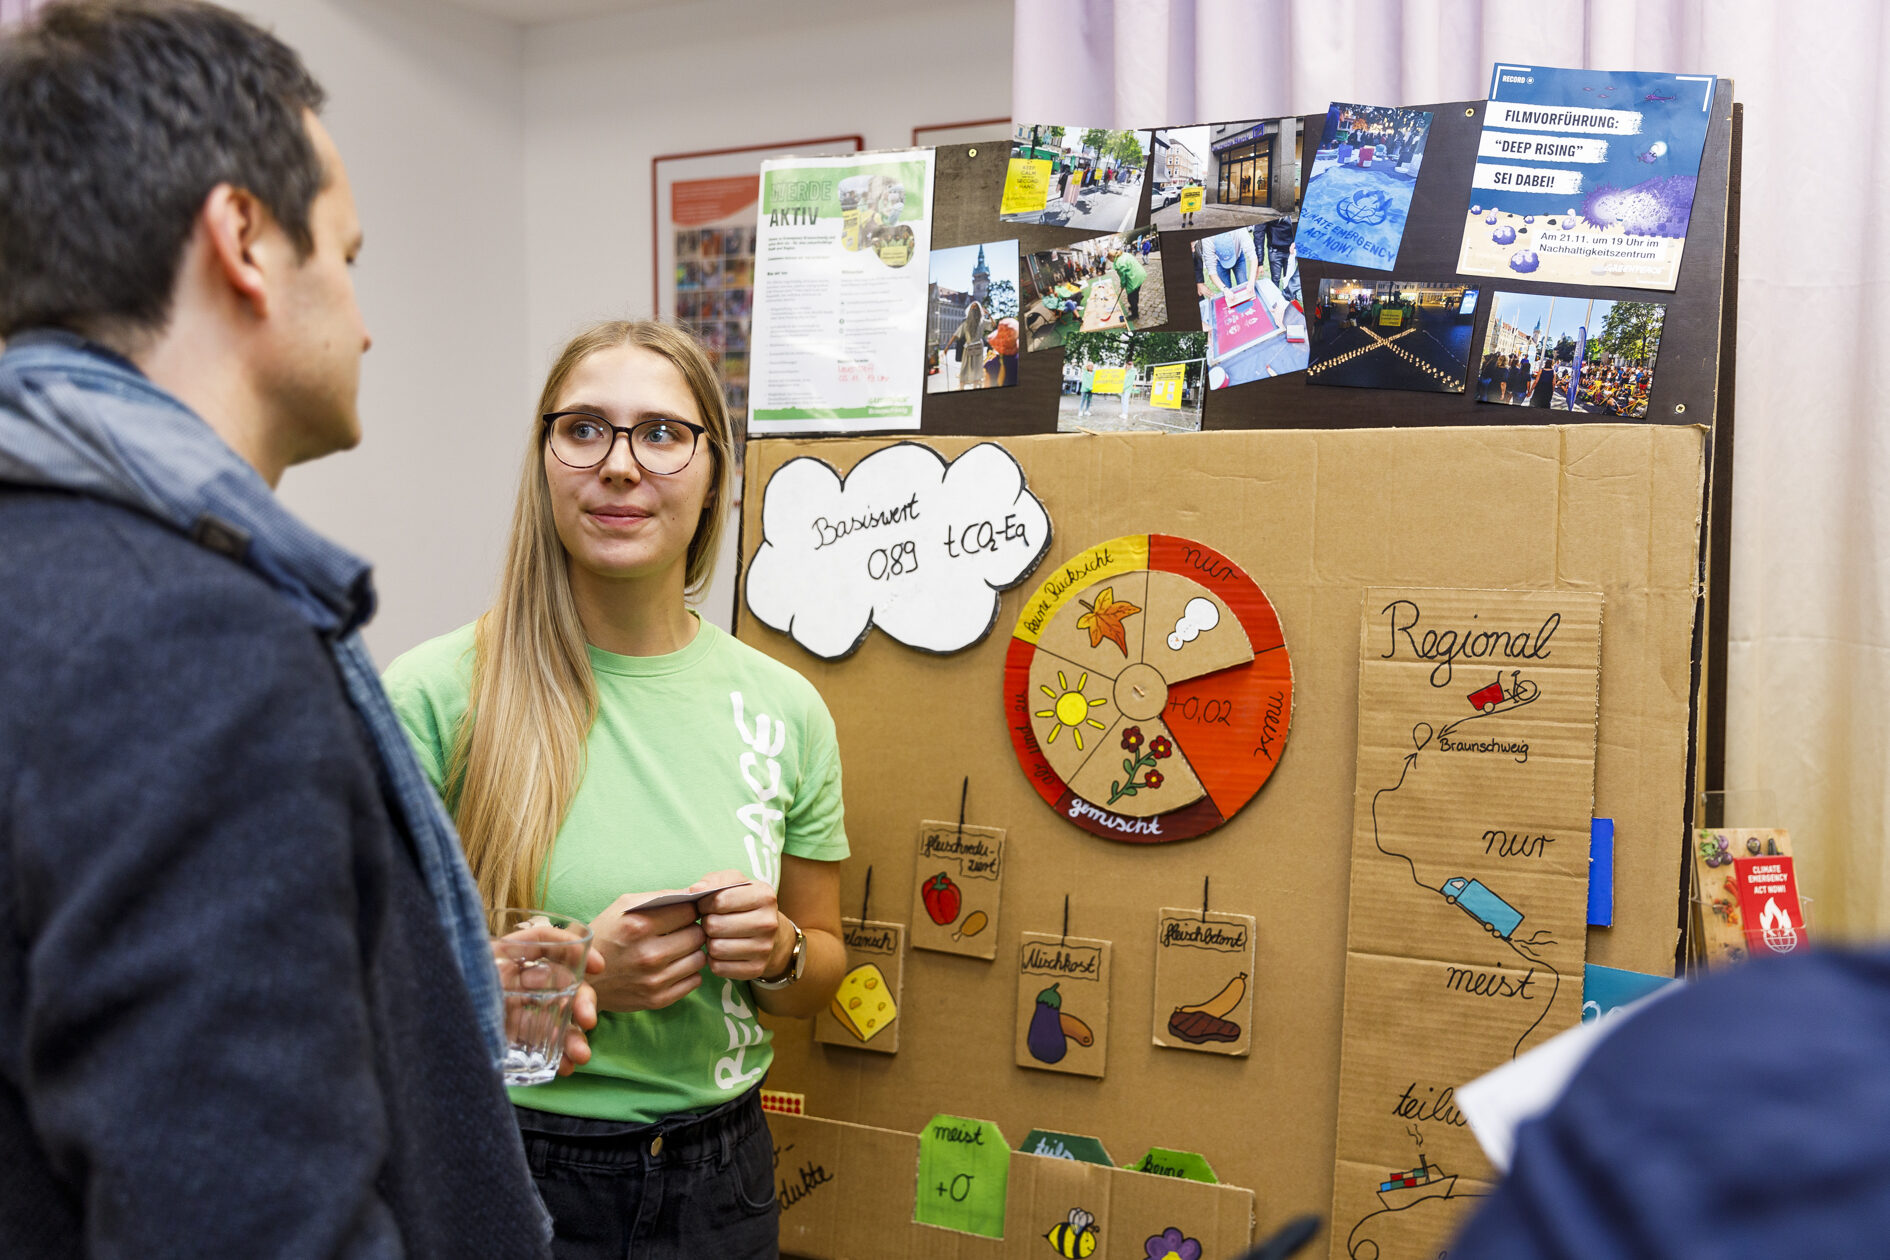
pixel 1147 689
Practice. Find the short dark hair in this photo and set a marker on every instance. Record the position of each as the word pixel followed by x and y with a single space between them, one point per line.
pixel 117 119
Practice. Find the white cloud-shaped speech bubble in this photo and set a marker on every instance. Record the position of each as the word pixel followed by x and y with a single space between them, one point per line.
pixel 908 542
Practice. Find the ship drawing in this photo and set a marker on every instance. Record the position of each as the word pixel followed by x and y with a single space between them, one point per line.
pixel 1426 1181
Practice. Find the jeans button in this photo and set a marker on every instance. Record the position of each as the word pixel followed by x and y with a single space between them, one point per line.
pixel 656 1145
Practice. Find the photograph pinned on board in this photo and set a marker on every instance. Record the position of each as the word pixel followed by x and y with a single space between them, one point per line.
pixel 1088 178
pixel 1248 289
pixel 1363 175
pixel 1392 334
pixel 971 333
pixel 1115 382
pixel 1223 175
pixel 1105 284
pixel 1570 353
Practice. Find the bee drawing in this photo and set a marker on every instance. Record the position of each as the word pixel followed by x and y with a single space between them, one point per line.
pixel 1074 1238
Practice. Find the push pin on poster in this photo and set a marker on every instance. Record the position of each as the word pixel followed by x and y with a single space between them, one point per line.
pixel 1063 1001
pixel 960 883
pixel 1203 995
pixel 864 1013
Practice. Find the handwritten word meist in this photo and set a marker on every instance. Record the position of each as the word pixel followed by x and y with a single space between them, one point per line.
pixel 1448 646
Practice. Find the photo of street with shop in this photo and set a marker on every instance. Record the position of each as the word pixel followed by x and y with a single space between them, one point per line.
pixel 1223 175
pixel 1075 177
pixel 1392 334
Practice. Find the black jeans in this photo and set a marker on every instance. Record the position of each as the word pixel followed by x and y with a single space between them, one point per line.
pixel 687 1186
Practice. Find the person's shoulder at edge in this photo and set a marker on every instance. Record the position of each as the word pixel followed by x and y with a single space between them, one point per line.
pixel 430 686
pixel 778 676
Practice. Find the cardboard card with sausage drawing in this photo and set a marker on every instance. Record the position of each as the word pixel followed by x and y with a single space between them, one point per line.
pixel 1204 980
pixel 959 882
pixel 864 1013
pixel 1062 1003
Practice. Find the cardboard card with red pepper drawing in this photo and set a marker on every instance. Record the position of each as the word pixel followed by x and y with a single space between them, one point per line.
pixel 1062 1003
pixel 1204 981
pixel 864 1014
pixel 960 875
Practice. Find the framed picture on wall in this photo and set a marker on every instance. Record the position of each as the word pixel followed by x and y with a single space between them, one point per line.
pixel 704 208
pixel 977 131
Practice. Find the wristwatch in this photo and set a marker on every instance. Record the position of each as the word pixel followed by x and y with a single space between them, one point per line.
pixel 796 963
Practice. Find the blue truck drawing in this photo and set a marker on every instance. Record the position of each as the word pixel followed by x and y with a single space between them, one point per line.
pixel 1497 916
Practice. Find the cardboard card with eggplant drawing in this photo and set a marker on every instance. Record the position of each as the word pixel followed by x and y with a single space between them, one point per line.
pixel 1204 980
pixel 959 880
pixel 1062 1003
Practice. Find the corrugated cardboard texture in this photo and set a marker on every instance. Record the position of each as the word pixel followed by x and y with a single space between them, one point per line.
pixel 1315 518
pixel 846 1188
pixel 1476 744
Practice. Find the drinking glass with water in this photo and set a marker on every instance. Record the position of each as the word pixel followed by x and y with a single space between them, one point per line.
pixel 541 958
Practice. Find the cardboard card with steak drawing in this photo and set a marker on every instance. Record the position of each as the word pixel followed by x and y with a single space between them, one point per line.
pixel 959 882
pixel 1062 1003
pixel 864 1013
pixel 1203 974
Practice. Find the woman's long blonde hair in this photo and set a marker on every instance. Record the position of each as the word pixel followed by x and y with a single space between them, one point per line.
pixel 518 755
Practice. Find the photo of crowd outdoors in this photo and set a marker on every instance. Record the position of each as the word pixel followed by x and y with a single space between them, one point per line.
pixel 1363 175
pixel 1247 283
pixel 1392 334
pixel 1105 284
pixel 1113 382
pixel 1076 177
pixel 1570 354
pixel 1223 175
pixel 971 331
pixel 715 277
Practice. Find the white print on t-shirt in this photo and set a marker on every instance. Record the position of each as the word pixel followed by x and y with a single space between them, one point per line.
pixel 762 773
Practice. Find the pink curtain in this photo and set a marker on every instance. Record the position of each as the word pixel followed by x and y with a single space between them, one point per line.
pixel 1810 655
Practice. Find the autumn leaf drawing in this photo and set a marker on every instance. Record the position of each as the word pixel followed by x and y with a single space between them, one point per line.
pixel 1104 619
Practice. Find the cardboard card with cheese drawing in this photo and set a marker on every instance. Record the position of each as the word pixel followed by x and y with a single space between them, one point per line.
pixel 1204 980
pixel 864 1014
pixel 1062 1003
pixel 959 882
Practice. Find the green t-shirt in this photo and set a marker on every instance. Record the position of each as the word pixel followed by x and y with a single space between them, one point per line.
pixel 708 758
pixel 1130 271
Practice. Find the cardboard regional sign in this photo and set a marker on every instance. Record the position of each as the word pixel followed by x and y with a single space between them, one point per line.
pixel 1469 899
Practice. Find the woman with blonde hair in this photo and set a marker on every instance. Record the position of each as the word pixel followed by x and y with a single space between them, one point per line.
pixel 597 741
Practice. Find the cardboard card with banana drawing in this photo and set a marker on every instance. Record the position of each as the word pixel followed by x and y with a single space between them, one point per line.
pixel 1204 981
pixel 864 1013
pixel 1062 1003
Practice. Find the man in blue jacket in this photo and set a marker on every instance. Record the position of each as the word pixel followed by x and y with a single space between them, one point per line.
pixel 246 1002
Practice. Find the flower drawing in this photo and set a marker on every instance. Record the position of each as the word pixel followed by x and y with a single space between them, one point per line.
pixel 1172 1244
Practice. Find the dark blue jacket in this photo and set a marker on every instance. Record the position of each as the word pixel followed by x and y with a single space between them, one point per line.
pixel 1747 1114
pixel 230 1021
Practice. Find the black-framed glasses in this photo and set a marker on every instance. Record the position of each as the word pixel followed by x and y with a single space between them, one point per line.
pixel 662 446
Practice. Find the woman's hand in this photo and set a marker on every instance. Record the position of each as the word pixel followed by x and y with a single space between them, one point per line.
pixel 744 927
pixel 577 1047
pixel 651 958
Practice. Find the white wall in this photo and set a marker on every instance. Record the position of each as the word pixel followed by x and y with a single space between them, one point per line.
pixel 603 96
pixel 426 106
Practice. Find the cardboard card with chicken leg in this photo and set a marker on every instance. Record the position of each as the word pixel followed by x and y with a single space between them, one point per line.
pixel 864 1014
pixel 1062 1003
pixel 959 881
pixel 1204 980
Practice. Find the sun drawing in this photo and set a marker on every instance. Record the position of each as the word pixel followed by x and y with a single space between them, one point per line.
pixel 1069 708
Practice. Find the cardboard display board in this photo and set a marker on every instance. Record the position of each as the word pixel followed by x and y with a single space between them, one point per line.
pixel 1315 518
pixel 1468 908
pixel 850 1190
